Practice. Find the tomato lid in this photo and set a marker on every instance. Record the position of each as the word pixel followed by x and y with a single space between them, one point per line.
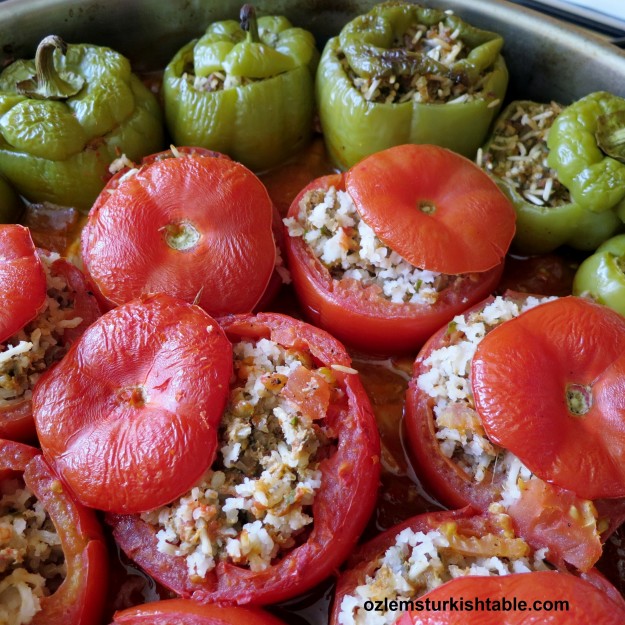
pixel 435 208
pixel 550 387
pixel 22 280
pixel 196 225
pixel 129 417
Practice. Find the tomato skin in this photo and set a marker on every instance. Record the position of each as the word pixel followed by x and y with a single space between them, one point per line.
pixel 587 603
pixel 22 280
pixel 188 612
pixel 154 369
pixel 448 215
pixel 542 516
pixel 193 226
pixel 571 345
pixel 79 600
pixel 341 507
pixel 360 317
pixel 16 420
pixel 362 563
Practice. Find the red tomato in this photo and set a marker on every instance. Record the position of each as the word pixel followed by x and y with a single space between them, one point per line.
pixel 187 612
pixel 435 208
pixel 364 562
pixel 22 280
pixel 194 226
pixel 540 592
pixel 361 317
pixel 341 507
pixel 155 369
pixel 559 402
pixel 542 515
pixel 79 600
pixel 16 417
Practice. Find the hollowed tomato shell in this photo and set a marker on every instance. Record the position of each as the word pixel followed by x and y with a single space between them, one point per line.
pixel 361 317
pixel 341 508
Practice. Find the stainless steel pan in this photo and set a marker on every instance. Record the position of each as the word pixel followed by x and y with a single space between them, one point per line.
pixel 547 59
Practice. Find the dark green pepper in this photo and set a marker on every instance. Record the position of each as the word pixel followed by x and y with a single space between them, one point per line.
pixel 602 275
pixel 387 79
pixel 586 149
pixel 65 116
pixel 244 89
pixel 516 156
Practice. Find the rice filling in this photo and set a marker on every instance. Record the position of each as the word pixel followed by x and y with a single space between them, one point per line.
pixel 31 351
pixel 518 154
pixel 336 234
pixel 255 502
pixel 440 44
pixel 420 561
pixel 32 564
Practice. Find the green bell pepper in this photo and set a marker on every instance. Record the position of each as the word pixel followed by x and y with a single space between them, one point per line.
pixel 547 218
pixel 602 275
pixel 244 89
pixel 387 80
pixel 65 116
pixel 582 143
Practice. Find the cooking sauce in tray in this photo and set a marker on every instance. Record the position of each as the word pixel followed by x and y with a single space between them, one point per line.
pixel 401 494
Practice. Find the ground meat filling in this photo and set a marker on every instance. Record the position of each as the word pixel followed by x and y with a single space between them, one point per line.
pixel 32 564
pixel 446 380
pixel 418 562
pixel 518 154
pixel 30 352
pixel 441 44
pixel 255 502
pixel 347 247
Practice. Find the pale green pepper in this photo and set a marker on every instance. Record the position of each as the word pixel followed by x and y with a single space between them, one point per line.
pixel 64 118
pixel 244 89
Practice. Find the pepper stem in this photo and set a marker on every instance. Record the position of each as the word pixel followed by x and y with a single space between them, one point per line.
pixel 249 23
pixel 47 83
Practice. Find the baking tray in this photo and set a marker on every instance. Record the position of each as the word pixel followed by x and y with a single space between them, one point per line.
pixel 547 59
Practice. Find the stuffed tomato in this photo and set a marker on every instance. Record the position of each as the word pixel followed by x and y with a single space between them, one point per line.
pixel 385 254
pixel 422 556
pixel 293 484
pixel 187 222
pixel 47 305
pixel 53 560
pixel 463 462
pixel 188 612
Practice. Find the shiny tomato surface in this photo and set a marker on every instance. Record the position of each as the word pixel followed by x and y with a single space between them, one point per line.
pixel 341 508
pixel 559 402
pixel 22 280
pixel 435 208
pixel 155 371
pixel 79 600
pixel 188 612
pixel 194 224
